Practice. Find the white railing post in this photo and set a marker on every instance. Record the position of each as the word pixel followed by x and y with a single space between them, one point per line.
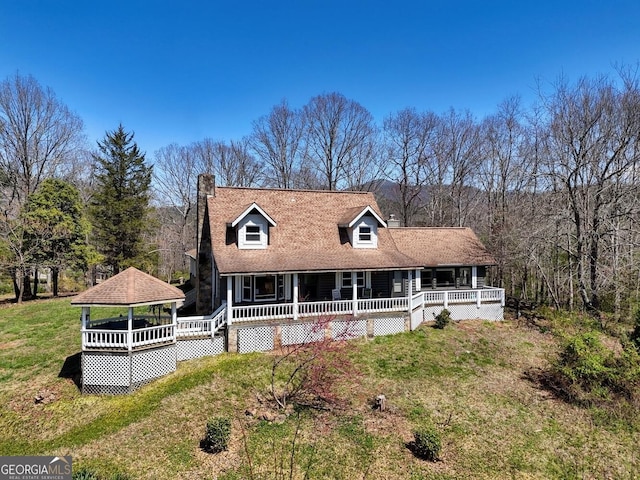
pixel 354 293
pixel 174 320
pixel 296 288
pixel 410 291
pixel 445 299
pixel 502 300
pixel 478 298
pixel 130 329
pixel 229 300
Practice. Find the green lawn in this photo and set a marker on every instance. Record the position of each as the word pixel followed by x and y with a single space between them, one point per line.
pixel 467 380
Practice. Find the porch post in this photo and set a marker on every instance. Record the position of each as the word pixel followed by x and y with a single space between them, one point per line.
pixel 354 293
pixel 174 318
pixel 418 280
pixel 410 291
pixel 295 296
pixel 474 277
pixel 446 299
pixel 84 317
pixel 130 329
pixel 229 300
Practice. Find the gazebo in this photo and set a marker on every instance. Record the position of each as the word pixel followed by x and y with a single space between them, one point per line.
pixel 122 352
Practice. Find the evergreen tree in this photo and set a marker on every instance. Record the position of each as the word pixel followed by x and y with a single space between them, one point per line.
pixel 120 206
pixel 55 229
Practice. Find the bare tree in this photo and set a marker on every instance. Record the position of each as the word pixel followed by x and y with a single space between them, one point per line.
pixel 592 145
pixel 277 141
pixel 408 139
pixel 174 182
pixel 38 136
pixel 338 132
pixel 232 164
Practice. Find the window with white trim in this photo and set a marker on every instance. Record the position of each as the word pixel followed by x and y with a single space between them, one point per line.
pixel 364 234
pixel 347 280
pixel 252 234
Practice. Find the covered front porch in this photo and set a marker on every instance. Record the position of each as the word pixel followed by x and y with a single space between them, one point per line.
pixel 144 331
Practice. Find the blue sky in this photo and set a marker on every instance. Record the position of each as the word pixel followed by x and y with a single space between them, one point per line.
pixel 180 71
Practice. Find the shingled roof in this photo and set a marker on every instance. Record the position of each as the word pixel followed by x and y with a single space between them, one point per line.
pixel 433 247
pixel 307 236
pixel 130 287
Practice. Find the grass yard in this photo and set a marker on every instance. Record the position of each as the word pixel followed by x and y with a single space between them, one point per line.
pixel 468 381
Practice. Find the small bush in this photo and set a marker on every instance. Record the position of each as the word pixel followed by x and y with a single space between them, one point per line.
pixel 443 319
pixel 584 360
pixel 84 474
pixel 217 435
pixel 427 443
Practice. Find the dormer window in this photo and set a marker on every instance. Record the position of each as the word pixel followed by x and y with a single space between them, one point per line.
pixel 361 224
pixel 252 228
pixel 364 234
pixel 252 234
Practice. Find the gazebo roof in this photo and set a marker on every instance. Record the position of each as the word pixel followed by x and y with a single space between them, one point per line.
pixel 130 287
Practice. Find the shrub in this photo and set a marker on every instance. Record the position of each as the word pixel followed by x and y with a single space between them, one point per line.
pixel 84 474
pixel 217 435
pixel 443 319
pixel 584 361
pixel 427 443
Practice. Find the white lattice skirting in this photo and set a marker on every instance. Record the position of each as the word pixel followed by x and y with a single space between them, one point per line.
pixel 346 329
pixel 117 373
pixel 467 311
pixel 201 347
pixel 256 339
pixel 388 326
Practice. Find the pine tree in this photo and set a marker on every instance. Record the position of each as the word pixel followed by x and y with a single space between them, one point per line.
pixel 120 206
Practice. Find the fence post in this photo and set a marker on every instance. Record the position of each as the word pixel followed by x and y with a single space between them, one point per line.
pixel 478 298
pixel 446 299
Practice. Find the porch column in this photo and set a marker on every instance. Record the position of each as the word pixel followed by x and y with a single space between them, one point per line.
pixel 354 293
pixel 229 300
pixel 295 296
pixel 85 317
pixel 174 319
pixel 418 280
pixel 85 320
pixel 410 291
pixel 474 277
pixel 130 329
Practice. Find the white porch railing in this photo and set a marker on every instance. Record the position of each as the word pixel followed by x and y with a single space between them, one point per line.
pixel 119 337
pixel 150 335
pixel 278 311
pixel 202 325
pixel 97 338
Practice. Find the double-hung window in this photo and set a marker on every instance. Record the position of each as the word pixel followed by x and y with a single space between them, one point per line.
pixel 347 279
pixel 364 234
pixel 252 234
